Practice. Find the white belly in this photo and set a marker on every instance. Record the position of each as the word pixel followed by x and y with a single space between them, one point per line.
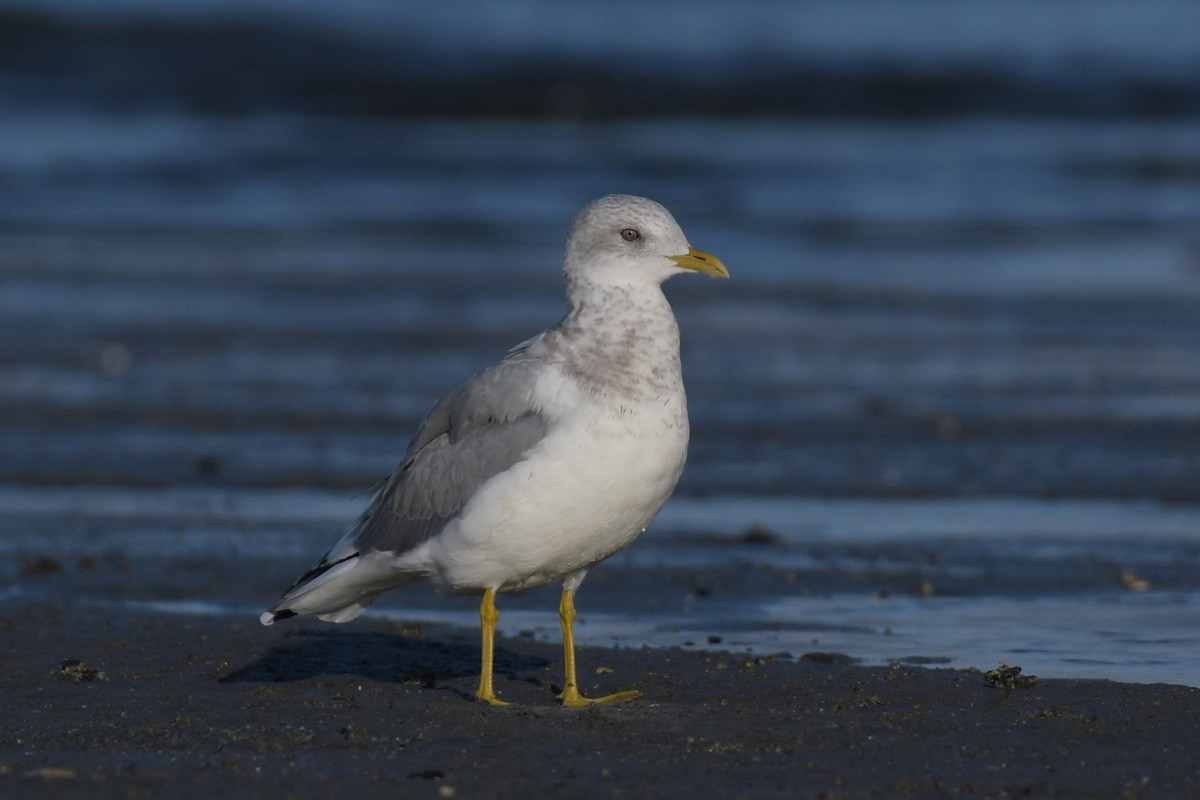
pixel 588 490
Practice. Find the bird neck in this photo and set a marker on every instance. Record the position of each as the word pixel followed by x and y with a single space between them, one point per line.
pixel 620 340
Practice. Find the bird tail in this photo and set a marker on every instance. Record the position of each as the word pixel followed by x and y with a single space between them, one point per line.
pixel 335 592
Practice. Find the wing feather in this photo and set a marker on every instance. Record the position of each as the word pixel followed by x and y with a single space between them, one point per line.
pixel 477 430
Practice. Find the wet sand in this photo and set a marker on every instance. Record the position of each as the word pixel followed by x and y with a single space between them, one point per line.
pixel 118 703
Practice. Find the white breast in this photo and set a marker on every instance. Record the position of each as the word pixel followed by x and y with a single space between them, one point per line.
pixel 588 490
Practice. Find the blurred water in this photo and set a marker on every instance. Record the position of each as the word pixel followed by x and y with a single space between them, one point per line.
pixel 241 253
pixel 1068 588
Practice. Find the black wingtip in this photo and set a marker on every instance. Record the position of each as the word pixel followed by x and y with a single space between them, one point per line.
pixel 269 617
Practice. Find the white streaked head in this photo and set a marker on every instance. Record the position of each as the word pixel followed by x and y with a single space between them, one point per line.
pixel 622 239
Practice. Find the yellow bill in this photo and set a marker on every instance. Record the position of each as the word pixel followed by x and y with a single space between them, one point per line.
pixel 701 262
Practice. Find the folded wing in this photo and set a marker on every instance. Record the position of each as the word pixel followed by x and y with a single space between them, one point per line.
pixel 479 429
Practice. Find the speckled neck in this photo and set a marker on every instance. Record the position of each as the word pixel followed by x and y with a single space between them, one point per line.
pixel 619 340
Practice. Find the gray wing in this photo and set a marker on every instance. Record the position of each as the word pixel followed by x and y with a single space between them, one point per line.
pixel 478 429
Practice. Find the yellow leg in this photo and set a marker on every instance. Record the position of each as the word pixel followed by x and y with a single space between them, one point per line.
pixel 487 623
pixel 570 696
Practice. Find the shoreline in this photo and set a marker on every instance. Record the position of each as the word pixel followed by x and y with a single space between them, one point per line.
pixel 209 706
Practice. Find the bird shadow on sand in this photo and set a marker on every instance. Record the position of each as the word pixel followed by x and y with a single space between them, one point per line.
pixel 375 656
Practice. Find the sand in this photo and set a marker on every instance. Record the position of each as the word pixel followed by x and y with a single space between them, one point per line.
pixel 108 702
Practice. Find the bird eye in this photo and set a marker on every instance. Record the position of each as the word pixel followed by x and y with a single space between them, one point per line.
pixel 630 235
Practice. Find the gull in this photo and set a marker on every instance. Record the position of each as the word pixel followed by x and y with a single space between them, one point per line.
pixel 545 463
